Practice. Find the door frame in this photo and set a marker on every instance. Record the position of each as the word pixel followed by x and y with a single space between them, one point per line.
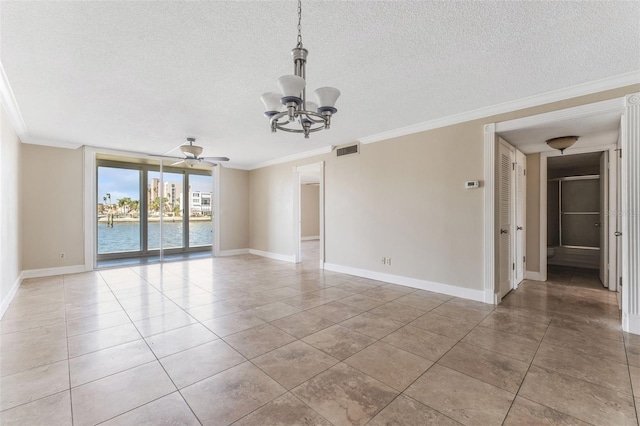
pixel 297 231
pixel 629 108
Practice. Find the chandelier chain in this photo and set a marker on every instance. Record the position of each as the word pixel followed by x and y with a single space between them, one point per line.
pixel 299 23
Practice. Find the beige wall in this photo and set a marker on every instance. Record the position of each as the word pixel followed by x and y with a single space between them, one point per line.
pixel 52 208
pixel 234 205
pixel 533 213
pixel 310 210
pixel 402 198
pixel 10 217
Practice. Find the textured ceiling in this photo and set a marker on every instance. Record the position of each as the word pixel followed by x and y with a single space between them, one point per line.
pixel 143 76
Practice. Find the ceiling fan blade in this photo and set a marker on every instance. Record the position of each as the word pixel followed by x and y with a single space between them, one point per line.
pixel 178 162
pixel 215 158
pixel 209 163
pixel 165 156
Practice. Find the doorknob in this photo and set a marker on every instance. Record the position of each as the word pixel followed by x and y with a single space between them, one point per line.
pixel 504 231
pixel 617 233
pixel 519 228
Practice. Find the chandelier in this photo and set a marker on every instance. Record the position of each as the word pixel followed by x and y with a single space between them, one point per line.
pixel 300 116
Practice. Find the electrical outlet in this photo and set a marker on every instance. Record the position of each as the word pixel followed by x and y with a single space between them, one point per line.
pixel 62 255
pixel 384 260
pixel 389 261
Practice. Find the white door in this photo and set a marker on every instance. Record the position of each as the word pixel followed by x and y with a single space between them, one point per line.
pixel 602 221
pixel 506 265
pixel 519 239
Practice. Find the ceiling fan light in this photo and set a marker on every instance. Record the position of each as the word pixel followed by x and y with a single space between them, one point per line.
pixel 291 87
pixel 193 150
pixel 561 143
pixel 191 161
pixel 271 101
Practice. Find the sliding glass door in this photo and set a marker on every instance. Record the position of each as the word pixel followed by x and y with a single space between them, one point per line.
pixel 144 210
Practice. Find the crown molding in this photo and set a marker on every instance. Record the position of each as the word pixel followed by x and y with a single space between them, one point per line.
pixel 596 86
pixel 11 106
pixel 324 150
pixel 50 142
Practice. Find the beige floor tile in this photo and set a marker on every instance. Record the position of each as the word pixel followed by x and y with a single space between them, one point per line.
pixel 490 367
pixel 294 363
pixel 283 411
pixel 633 354
pixel 417 301
pixel 195 364
pixel 526 413
pixel 521 327
pixel 156 325
pixel 302 324
pixel 454 328
pixel 345 396
pixel 48 411
pixel 98 322
pixel 99 364
pixel 33 384
pixel 77 311
pixel 463 398
pixel 605 373
pixel 392 366
pixel 306 301
pixel 232 394
pixel 273 311
pixel 371 325
pixel 154 310
pixel 384 294
pixel 406 411
pixel 213 310
pixel 584 400
pixel 361 301
pixel 111 396
pixel 420 342
pixel 24 319
pixel 171 342
pixel 511 345
pixel 589 325
pixel 168 410
pixel 339 342
pixel 102 339
pixel 634 372
pixel 453 310
pixel 28 349
pixel 259 340
pixel 231 324
pixel 584 344
pixel 336 311
pixel 355 287
pixel 399 313
pixel 432 295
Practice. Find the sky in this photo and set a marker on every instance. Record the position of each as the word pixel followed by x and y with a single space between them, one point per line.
pixel 121 183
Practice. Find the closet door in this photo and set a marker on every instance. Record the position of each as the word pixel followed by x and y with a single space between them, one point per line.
pixel 506 189
pixel 519 239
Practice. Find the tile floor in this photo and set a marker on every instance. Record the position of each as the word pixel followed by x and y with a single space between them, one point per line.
pixel 251 341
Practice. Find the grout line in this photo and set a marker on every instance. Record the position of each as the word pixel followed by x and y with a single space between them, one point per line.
pixel 66 332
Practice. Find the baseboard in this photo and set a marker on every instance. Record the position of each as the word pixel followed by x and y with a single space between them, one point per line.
pixel 451 290
pixel 276 256
pixel 533 276
pixel 631 323
pixel 234 252
pixel 49 272
pixel 315 237
pixel 9 298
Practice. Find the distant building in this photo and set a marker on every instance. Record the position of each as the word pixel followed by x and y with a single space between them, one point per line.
pixel 200 203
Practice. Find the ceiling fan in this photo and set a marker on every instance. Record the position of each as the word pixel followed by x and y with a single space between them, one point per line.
pixel 192 155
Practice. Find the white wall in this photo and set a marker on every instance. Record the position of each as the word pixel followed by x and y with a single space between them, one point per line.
pixel 10 217
pixel 234 205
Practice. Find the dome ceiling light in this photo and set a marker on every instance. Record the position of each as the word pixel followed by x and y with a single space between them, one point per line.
pixel 301 116
pixel 562 143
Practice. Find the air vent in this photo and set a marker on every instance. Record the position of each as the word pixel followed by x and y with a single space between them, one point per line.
pixel 347 150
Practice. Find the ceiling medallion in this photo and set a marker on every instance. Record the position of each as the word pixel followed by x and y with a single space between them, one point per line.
pixel 562 143
pixel 301 116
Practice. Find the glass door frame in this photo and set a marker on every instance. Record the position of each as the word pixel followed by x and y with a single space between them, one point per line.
pixel 144 169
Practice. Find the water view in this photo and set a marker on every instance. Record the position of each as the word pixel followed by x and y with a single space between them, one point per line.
pixel 125 236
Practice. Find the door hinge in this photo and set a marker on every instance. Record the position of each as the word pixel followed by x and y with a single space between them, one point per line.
pixel 619 152
pixel 524 259
pixel 513 166
pixel 513 266
pixel 620 281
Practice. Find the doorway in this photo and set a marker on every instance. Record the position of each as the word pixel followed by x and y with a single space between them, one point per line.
pixel 309 215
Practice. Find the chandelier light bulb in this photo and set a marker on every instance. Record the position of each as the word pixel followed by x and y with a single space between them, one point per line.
pixel 291 87
pixel 327 97
pixel 271 101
